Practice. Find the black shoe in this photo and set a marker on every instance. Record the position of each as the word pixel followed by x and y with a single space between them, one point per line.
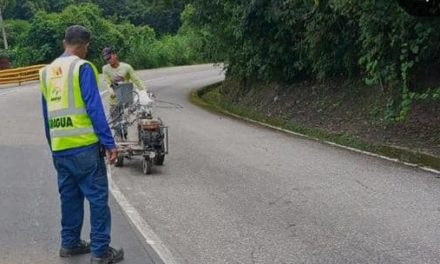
pixel 82 248
pixel 112 256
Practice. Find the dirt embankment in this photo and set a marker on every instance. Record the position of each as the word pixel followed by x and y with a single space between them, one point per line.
pixel 353 110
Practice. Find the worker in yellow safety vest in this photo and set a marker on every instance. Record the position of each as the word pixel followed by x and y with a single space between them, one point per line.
pixel 77 132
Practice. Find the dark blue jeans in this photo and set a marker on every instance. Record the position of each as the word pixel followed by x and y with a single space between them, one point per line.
pixel 79 176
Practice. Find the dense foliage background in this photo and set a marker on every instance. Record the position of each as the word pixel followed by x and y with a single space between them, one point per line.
pixel 293 40
pixel 146 37
pixel 162 15
pixel 282 41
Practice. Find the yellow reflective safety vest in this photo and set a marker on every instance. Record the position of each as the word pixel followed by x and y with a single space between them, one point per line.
pixel 69 124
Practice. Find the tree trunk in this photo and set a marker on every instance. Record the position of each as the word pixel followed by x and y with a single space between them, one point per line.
pixel 2 25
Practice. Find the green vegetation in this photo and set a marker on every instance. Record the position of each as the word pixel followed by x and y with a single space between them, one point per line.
pixel 358 73
pixel 260 41
pixel 185 47
pixel 163 15
pixel 39 39
pixel 325 40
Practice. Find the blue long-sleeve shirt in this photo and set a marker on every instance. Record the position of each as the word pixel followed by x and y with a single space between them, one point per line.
pixel 95 110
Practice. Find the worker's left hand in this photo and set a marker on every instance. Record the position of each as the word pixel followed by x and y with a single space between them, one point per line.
pixel 112 156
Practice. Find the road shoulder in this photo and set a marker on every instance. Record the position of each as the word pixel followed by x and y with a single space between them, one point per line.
pixel 210 99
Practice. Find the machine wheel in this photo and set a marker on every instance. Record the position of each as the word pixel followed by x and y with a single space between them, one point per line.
pixel 147 164
pixel 119 161
pixel 160 159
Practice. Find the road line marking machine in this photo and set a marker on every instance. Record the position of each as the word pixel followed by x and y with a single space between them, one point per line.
pixel 135 109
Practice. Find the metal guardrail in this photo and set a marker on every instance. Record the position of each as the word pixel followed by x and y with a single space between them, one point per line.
pixel 20 75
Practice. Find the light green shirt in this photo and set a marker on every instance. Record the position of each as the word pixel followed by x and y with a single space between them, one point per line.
pixel 123 73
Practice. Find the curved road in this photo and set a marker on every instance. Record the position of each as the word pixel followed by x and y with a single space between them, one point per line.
pixel 229 192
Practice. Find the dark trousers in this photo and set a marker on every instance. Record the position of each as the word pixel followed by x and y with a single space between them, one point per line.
pixel 79 176
pixel 116 117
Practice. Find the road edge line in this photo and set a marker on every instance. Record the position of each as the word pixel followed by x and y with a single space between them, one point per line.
pixel 196 92
pixel 143 228
pixel 151 239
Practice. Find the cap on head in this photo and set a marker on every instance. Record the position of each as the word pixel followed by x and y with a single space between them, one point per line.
pixel 77 35
pixel 107 53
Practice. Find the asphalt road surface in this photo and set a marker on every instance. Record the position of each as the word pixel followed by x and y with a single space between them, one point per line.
pixel 229 191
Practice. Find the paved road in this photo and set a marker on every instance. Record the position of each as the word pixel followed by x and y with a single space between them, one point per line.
pixel 29 203
pixel 229 192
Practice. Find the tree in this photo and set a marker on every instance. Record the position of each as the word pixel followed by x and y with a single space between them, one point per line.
pixel 162 15
pixel 3 5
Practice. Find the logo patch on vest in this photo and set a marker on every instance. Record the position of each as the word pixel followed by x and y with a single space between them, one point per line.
pixel 57 72
pixel 60 122
pixel 56 75
pixel 56 95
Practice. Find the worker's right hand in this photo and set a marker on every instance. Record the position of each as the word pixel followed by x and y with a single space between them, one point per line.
pixel 112 94
pixel 112 156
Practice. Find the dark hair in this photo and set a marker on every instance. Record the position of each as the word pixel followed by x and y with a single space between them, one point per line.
pixel 107 52
pixel 77 35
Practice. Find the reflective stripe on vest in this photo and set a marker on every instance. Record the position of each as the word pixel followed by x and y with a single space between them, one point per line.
pixel 44 80
pixel 71 132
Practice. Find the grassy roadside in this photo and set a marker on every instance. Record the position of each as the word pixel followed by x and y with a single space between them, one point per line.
pixel 210 99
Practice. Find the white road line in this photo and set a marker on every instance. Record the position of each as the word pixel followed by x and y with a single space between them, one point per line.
pixel 8 92
pixel 18 88
pixel 136 219
pixel 336 145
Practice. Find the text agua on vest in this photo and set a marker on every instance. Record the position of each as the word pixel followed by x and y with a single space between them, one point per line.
pixel 62 122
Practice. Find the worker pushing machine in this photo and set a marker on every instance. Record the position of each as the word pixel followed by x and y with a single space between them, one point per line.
pixel 116 72
pixel 79 137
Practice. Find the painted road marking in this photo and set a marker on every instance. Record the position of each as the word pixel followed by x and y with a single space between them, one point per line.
pixel 335 144
pixel 141 225
pixel 154 241
pixel 136 219
pixel 8 92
